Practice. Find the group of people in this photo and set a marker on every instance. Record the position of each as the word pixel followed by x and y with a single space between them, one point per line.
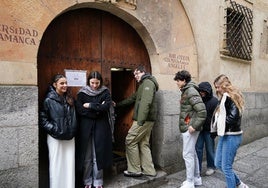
pixel 202 118
pixel 78 155
pixel 79 131
pixel 79 135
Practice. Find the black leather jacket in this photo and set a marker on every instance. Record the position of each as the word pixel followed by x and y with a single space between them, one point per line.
pixel 58 117
pixel 233 116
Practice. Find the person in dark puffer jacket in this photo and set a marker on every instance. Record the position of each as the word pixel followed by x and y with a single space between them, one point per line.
pixel 192 116
pixel 58 119
pixel 205 138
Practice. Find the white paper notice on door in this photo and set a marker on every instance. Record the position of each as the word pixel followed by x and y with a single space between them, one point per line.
pixel 76 78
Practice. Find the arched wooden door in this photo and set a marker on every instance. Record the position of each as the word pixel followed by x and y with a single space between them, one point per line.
pixel 89 39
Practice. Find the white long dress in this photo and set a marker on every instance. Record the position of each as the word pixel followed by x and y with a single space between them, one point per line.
pixel 61 162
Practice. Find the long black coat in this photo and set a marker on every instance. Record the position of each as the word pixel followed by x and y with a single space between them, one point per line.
pixel 94 121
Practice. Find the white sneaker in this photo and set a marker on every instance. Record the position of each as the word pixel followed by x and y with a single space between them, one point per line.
pixel 184 182
pixel 187 184
pixel 197 181
pixel 242 185
pixel 210 171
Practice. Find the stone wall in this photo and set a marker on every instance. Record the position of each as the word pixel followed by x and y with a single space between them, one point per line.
pixel 18 136
pixel 255 118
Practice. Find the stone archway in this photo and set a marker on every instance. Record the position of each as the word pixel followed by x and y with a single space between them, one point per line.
pixel 90 39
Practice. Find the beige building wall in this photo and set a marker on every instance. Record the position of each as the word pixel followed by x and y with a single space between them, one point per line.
pixel 192 37
pixel 164 27
pixel 207 21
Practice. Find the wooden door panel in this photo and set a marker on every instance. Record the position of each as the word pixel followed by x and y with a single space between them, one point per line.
pixel 125 87
pixel 122 46
pixel 72 41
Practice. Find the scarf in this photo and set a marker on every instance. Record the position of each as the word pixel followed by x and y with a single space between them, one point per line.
pixel 220 117
pixel 89 91
pixel 111 114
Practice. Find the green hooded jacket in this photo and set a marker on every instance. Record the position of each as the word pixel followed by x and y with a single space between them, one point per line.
pixel 192 107
pixel 145 108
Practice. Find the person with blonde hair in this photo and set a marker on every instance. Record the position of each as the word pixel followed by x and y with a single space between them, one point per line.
pixel 226 122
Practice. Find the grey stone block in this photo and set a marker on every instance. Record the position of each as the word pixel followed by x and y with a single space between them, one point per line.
pixel 9 148
pixel 18 106
pixel 28 146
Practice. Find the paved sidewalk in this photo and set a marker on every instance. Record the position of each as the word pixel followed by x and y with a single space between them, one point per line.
pixel 251 165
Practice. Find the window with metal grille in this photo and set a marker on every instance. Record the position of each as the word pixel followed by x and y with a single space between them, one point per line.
pixel 238 33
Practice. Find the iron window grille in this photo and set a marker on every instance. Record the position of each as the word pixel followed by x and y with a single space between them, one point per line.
pixel 238 33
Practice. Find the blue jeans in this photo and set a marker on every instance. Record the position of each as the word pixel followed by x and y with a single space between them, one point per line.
pixel 92 175
pixel 224 159
pixel 205 139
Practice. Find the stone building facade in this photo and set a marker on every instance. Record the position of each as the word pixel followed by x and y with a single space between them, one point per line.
pixel 177 34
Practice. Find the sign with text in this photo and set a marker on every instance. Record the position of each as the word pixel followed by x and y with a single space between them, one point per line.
pixel 19 35
pixel 171 63
pixel 76 78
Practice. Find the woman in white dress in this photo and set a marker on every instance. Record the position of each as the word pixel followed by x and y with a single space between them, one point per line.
pixel 58 119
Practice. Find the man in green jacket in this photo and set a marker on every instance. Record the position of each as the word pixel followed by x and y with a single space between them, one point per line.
pixel 138 152
pixel 192 116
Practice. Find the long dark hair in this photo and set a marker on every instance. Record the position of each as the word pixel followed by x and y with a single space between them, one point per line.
pixel 95 74
pixel 55 78
pixel 68 96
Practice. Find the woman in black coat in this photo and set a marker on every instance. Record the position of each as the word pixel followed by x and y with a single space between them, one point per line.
pixel 94 138
pixel 58 119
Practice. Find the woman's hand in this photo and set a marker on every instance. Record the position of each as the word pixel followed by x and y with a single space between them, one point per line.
pixel 86 105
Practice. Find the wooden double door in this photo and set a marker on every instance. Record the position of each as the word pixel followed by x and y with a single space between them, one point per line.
pixel 90 39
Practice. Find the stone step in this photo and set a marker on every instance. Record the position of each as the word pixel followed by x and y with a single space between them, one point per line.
pixel 120 181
